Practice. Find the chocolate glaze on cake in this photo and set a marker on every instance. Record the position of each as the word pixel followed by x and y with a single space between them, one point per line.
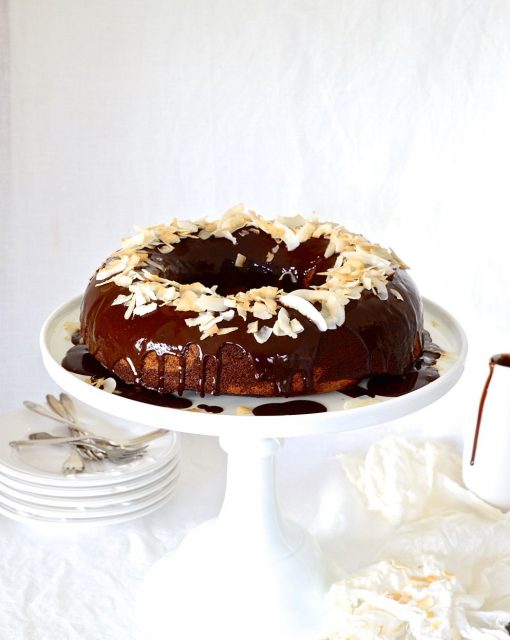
pixel 161 352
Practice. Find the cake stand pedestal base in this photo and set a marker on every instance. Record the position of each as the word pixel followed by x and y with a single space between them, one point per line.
pixel 249 574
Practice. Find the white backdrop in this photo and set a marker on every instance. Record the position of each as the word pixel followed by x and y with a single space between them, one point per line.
pixel 392 116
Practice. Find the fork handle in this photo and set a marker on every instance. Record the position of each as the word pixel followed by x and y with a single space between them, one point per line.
pixel 84 439
pixel 64 440
pixel 145 437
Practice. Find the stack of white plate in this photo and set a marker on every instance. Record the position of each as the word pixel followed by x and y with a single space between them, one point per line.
pixel 33 486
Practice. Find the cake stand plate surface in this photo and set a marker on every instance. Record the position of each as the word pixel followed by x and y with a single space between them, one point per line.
pixel 250 573
pixel 343 413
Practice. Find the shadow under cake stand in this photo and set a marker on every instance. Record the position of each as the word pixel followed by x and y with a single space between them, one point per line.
pixel 250 573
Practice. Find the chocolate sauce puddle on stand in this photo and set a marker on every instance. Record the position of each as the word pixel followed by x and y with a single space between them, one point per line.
pixel 210 408
pixel 420 373
pixel 290 408
pixel 79 360
pixel 503 359
pixel 76 338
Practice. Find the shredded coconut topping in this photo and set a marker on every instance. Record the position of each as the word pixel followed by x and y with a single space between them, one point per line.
pixel 360 265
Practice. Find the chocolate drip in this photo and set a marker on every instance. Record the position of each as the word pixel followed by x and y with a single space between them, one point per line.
pixel 216 362
pixel 218 370
pixel 182 369
pixel 290 408
pixel 421 372
pixel 79 360
pixel 150 396
pixel 502 359
pixel 394 386
pixel 281 369
pixel 161 374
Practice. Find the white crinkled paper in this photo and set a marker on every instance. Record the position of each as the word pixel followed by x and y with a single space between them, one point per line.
pixel 444 574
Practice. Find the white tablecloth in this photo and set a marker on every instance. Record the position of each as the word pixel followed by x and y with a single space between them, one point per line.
pixel 390 117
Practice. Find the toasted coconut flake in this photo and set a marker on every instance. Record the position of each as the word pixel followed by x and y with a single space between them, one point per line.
pixel 211 303
pixel 122 280
pixel 305 308
pixel 263 334
pixel 144 309
pixel 244 411
pixel 224 330
pixel 284 323
pixel 296 326
pixel 71 327
pixel 122 299
pixel 194 322
pixel 305 232
pixel 260 311
pixel 240 260
pixel 208 324
pixel 114 267
pixel 105 384
pixel 130 308
pixel 269 256
pixel 252 327
pixel 277 330
pixel 211 331
pixel 166 294
pixel 227 315
pixel 187 302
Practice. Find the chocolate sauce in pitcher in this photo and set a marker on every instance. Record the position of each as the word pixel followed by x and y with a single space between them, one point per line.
pixel 502 359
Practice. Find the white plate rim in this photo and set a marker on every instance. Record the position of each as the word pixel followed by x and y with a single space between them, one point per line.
pixel 84 523
pixel 90 513
pixel 87 501
pixel 22 471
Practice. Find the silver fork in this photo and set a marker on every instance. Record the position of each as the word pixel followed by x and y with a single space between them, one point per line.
pixel 65 409
pixel 114 454
pixel 74 463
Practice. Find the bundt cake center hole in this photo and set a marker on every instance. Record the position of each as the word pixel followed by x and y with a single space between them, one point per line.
pixel 231 280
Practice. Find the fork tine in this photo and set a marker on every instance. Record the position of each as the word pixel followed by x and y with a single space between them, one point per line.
pixel 74 463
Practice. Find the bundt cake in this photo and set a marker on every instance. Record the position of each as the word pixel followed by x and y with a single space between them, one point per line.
pixel 247 306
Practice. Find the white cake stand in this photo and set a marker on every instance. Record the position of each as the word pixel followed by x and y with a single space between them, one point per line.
pixel 250 573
